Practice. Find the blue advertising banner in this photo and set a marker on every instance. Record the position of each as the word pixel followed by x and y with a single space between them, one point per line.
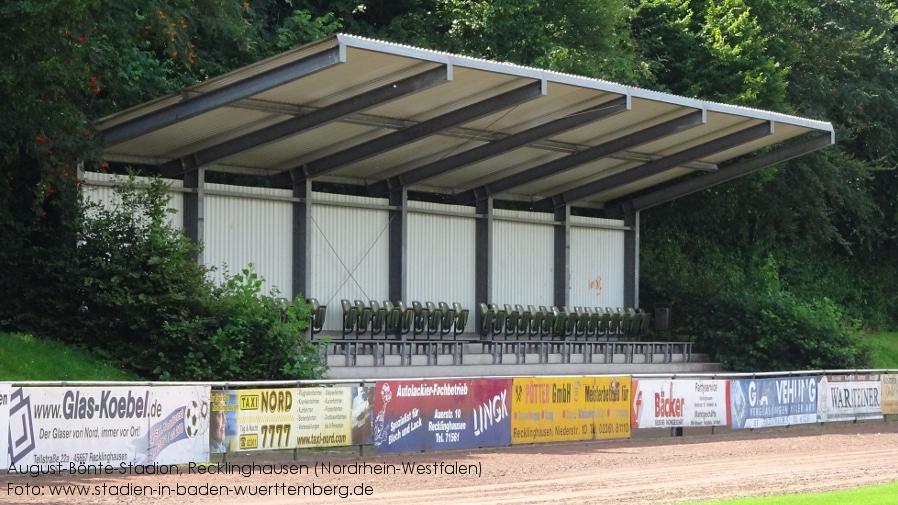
pixel 442 414
pixel 758 403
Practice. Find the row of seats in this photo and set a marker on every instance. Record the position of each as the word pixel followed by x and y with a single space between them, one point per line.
pixel 397 320
pixel 584 322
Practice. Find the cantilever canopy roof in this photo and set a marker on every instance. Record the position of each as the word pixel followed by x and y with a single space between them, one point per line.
pixel 354 110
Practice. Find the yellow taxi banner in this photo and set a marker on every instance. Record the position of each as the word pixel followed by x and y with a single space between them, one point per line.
pixel 263 419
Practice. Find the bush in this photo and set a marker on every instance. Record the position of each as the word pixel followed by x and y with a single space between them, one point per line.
pixel 241 336
pixel 135 273
pixel 778 332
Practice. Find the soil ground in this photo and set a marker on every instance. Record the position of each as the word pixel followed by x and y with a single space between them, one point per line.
pixel 650 468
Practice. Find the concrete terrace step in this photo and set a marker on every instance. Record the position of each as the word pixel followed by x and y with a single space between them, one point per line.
pixel 413 359
pixel 517 370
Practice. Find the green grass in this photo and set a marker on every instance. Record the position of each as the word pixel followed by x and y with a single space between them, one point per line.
pixel 27 358
pixel 885 349
pixel 883 494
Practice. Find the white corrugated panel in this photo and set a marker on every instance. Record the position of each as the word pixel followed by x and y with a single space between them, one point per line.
pixel 350 254
pixel 441 265
pixel 240 230
pixel 102 194
pixel 597 264
pixel 523 259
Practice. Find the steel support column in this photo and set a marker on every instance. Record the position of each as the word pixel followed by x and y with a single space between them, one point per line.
pixel 302 238
pixel 195 207
pixel 631 258
pixel 483 257
pixel 562 270
pixel 398 262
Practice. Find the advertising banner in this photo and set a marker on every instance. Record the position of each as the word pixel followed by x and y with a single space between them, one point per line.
pixel 554 409
pixel 679 403
pixel 758 403
pixel 848 398
pixel 611 400
pixel 5 391
pixel 889 393
pixel 111 426
pixel 441 414
pixel 265 419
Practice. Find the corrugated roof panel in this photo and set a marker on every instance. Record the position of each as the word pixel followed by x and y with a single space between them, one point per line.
pixel 575 177
pixel 560 101
pixel 370 64
pixel 295 150
pixel 607 196
pixel 414 155
pixel 343 81
pixel 496 168
pixel 466 88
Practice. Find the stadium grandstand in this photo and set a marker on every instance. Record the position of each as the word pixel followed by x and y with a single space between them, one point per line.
pixel 445 215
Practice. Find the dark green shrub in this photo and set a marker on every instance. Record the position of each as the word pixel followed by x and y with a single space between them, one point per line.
pixel 135 273
pixel 242 335
pixel 778 332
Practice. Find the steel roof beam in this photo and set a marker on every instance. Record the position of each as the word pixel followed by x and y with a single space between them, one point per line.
pixel 729 173
pixel 502 145
pixel 413 133
pixel 313 119
pixel 224 95
pixel 560 165
pixel 656 167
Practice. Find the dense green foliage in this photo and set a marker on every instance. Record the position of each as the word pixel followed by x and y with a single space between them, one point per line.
pixel 776 270
pixel 241 335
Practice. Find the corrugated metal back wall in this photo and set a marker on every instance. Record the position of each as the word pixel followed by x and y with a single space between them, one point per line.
pixel 350 249
pixel 441 255
pixel 523 259
pixel 597 264
pixel 350 253
pixel 240 231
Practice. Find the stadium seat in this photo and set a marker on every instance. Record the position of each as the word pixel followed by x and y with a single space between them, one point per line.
pixel 461 318
pixel 434 318
pixel 406 319
pixel 524 320
pixel 536 321
pixel 604 322
pixel 316 320
pixel 378 319
pixel 614 323
pixel 364 320
pixel 420 319
pixel 392 317
pixel 499 320
pixel 486 319
pixel 350 317
pixel 511 321
pixel 548 325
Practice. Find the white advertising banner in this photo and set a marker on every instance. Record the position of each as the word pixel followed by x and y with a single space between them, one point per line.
pixel 5 391
pixel 64 427
pixel 677 403
pixel 848 398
